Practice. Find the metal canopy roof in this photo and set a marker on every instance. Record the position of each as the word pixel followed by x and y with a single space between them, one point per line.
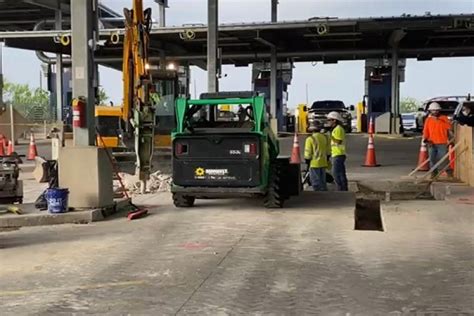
pixel 319 39
pixel 21 15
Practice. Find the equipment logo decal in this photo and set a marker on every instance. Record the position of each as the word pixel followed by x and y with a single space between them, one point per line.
pixel 199 172
pixel 212 174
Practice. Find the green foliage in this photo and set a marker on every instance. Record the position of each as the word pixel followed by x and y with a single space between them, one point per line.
pixel 409 104
pixel 26 99
pixel 102 97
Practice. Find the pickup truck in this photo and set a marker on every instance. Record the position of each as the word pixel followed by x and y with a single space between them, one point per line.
pixel 320 109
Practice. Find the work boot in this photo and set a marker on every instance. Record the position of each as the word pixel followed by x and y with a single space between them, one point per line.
pixel 450 174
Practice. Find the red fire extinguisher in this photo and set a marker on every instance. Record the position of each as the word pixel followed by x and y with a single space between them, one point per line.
pixel 79 112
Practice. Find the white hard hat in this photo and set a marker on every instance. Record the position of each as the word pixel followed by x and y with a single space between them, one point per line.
pixel 434 107
pixel 335 116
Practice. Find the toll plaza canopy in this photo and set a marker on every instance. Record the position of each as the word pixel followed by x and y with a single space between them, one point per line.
pixel 315 39
pixel 24 15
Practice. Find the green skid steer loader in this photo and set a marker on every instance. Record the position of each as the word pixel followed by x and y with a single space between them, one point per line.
pixel 219 152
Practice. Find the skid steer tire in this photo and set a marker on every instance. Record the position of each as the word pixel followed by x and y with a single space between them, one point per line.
pixel 274 198
pixel 180 200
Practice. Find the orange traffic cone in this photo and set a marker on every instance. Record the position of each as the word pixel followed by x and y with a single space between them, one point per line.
pixel 295 152
pixel 452 157
pixel 423 158
pixel 371 126
pixel 10 148
pixel 32 150
pixel 370 160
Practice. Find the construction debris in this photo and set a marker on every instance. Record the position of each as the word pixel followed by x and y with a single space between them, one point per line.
pixel 159 182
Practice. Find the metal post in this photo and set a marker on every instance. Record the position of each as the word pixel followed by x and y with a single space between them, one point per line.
pixel 162 4
pixel 273 68
pixel 12 123
pixel 83 18
pixel 395 92
pixel 273 84
pixel 212 40
pixel 274 10
pixel 1 73
pixel 59 69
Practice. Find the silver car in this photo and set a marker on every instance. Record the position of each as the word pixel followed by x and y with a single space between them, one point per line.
pixel 409 121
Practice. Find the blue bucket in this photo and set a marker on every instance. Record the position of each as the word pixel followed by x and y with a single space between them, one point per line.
pixel 57 200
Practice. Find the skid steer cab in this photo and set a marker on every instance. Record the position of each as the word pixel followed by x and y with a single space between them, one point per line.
pixel 223 147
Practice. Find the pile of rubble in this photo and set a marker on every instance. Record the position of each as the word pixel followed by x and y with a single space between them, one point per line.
pixel 159 182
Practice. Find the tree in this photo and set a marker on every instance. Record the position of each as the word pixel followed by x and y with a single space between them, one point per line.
pixel 26 99
pixel 409 104
pixel 102 97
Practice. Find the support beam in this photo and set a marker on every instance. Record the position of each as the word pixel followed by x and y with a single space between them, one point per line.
pixel 1 74
pixel 395 106
pixel 212 40
pixel 274 10
pixel 48 5
pixel 273 68
pixel 59 68
pixel 273 83
pixel 162 5
pixel 84 22
pixel 394 42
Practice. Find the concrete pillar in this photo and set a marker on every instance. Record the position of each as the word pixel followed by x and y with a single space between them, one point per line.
pixel 59 68
pixel 212 41
pixel 273 71
pixel 395 106
pixel 84 24
pixel 162 4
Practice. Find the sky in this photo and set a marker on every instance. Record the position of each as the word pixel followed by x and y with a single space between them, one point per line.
pixel 343 81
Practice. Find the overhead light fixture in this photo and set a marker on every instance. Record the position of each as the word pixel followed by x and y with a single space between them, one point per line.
pixel 171 66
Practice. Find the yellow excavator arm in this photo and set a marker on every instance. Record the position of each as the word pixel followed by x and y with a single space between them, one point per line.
pixel 138 110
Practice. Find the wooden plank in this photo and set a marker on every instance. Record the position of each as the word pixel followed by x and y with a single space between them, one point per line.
pixel 464 166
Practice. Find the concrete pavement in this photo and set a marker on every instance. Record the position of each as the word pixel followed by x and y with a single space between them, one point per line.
pixel 232 257
pixel 397 156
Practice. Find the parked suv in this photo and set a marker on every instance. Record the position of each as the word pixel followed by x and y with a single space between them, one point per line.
pixel 320 109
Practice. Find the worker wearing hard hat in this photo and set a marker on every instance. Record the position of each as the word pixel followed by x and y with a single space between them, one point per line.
pixel 436 134
pixel 338 150
pixel 315 154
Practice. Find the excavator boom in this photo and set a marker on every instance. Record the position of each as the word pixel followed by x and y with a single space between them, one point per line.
pixel 138 110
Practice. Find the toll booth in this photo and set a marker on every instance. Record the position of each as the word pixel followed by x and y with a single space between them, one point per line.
pixel 378 91
pixel 261 84
pixel 50 74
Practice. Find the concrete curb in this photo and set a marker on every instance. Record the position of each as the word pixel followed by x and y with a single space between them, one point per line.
pixel 391 190
pixel 442 190
pixel 75 217
pixel 8 222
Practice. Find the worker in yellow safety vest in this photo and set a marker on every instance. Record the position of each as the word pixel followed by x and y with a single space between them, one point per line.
pixel 338 150
pixel 316 150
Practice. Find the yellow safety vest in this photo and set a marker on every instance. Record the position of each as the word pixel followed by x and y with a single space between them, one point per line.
pixel 340 134
pixel 316 149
